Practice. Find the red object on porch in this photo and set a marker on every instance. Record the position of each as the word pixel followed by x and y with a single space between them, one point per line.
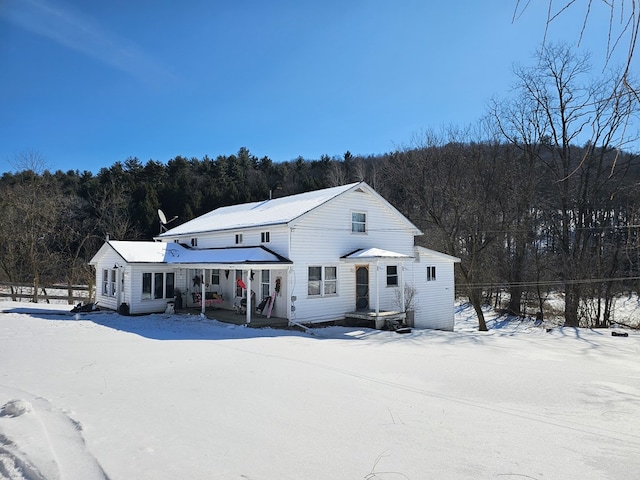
pixel 241 284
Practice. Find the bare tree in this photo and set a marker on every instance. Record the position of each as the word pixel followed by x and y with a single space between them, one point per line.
pixel 30 216
pixel 451 188
pixel 622 32
pixel 559 106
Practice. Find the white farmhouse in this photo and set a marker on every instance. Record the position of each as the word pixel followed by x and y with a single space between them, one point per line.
pixel 322 256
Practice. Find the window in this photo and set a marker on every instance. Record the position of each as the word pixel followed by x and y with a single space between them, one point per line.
pixel 330 280
pixel 194 242
pixel 265 283
pixel 146 286
pixel 322 281
pixel 431 274
pixel 162 285
pixel 265 237
pixel 215 276
pixel 112 283
pixel 158 290
pixel 238 287
pixel 105 282
pixel 238 238
pixel 358 222
pixel 109 282
pixel 392 275
pixel 169 286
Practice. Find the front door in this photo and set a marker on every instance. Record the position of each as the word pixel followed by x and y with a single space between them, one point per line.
pixel 362 287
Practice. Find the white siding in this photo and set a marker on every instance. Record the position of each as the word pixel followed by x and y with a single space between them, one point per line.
pixel 136 304
pixel 324 235
pixel 107 261
pixel 434 300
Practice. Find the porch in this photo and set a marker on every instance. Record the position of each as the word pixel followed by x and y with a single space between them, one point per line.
pixel 230 316
pixel 371 318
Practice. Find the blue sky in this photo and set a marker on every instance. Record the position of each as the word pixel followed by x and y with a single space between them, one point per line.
pixel 86 84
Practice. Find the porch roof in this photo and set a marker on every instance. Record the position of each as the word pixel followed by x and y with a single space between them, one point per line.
pixel 178 254
pixel 375 253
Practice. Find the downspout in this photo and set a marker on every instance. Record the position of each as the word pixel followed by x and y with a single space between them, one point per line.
pixel 118 287
pixel 402 306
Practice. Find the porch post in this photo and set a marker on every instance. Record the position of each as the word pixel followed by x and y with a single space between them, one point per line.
pixel 377 290
pixel 248 296
pixel 203 303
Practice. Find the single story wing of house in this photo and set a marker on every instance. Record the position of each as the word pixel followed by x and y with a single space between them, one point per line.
pixel 322 256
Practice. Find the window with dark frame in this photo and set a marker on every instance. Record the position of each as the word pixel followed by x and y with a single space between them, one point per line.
pixel 238 238
pixel 158 285
pixel 431 274
pixel 158 289
pixel 238 287
pixel 169 286
pixel 146 286
pixel 314 281
pixel 265 237
pixel 392 275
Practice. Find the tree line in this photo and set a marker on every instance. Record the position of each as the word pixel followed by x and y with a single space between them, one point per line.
pixel 529 202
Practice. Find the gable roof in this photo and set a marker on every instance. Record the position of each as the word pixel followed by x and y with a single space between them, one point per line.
pixel 277 211
pixel 177 254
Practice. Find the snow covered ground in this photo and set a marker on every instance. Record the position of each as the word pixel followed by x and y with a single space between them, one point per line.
pixel 99 395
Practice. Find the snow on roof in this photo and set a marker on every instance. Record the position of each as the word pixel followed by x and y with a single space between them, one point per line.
pixel 174 253
pixel 374 253
pixel 267 212
pixel 427 252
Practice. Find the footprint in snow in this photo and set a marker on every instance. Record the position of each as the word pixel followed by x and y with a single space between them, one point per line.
pixel 40 442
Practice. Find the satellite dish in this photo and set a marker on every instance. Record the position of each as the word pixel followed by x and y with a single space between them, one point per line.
pixel 164 221
pixel 163 218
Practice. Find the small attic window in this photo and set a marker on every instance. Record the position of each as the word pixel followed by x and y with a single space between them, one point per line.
pixel 238 238
pixel 194 242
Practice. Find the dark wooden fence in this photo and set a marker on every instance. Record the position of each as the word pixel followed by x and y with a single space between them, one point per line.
pixel 21 292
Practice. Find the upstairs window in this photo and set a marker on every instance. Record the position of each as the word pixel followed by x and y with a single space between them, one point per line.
pixel 358 222
pixel 265 237
pixel 194 242
pixel 238 238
